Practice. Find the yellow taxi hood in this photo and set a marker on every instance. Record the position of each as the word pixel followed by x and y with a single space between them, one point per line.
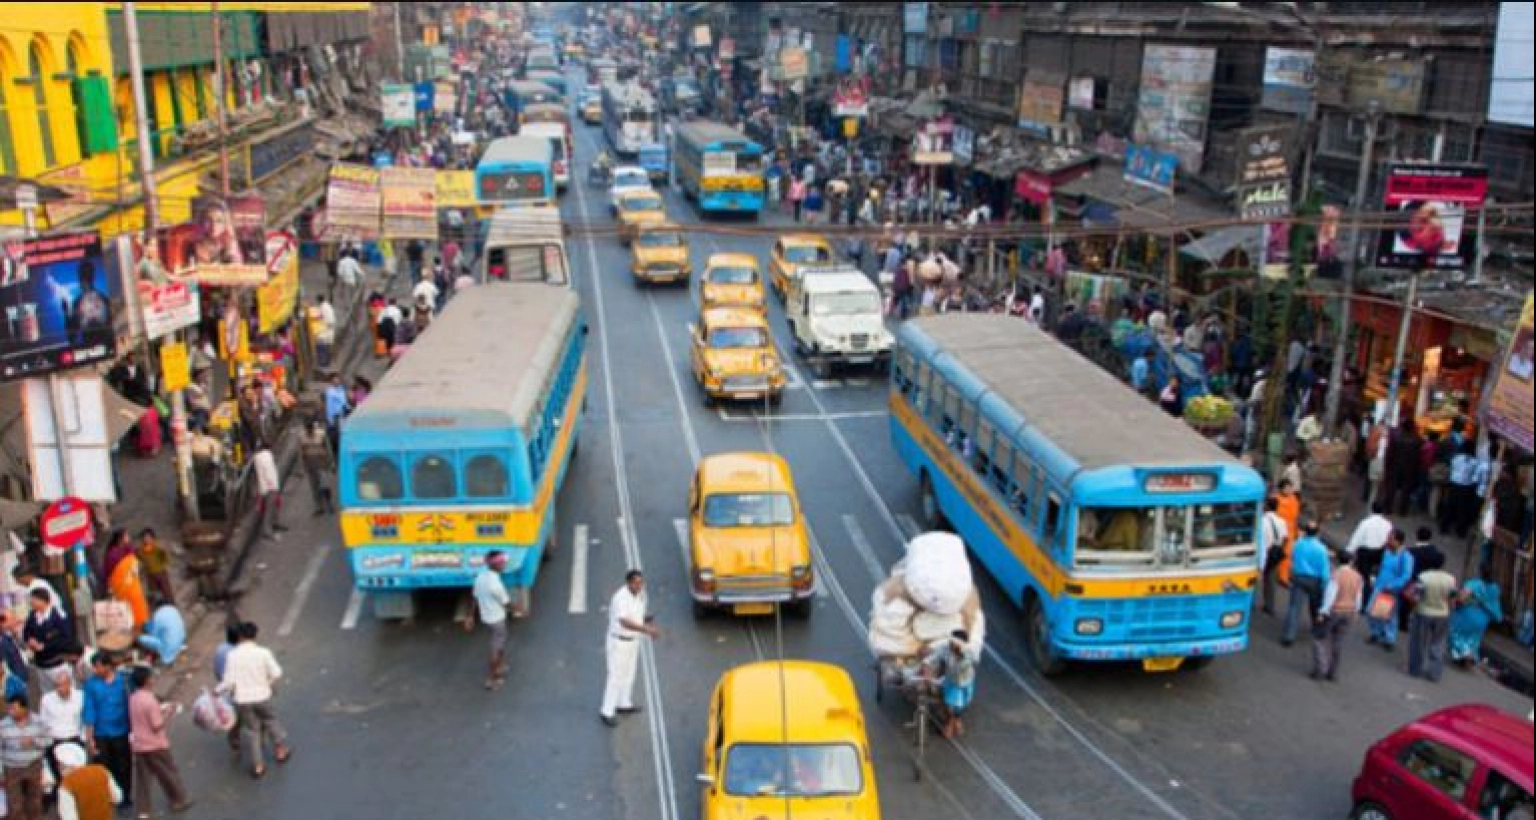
pixel 664 255
pixel 642 217
pixel 749 295
pixel 801 808
pixel 750 550
pixel 740 362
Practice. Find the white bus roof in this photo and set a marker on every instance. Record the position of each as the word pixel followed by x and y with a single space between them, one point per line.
pixel 481 365
pixel 523 226
pixel 699 132
pixel 518 149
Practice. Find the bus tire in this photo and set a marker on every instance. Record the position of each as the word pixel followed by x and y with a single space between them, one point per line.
pixel 550 546
pixel 933 515
pixel 1037 636
pixel 1197 663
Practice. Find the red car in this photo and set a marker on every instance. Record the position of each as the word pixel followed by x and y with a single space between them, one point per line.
pixel 1463 763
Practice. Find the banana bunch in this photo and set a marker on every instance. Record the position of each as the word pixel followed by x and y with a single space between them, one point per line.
pixel 1209 411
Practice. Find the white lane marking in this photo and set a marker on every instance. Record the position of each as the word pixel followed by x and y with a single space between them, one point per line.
pixel 677 384
pixel 579 549
pixel 857 382
pixel 302 592
pixel 908 527
pixel 354 609
pixel 826 384
pixel 680 525
pixel 861 546
pixel 661 751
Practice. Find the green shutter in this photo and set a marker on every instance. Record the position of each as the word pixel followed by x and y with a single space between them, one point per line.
pixel 100 126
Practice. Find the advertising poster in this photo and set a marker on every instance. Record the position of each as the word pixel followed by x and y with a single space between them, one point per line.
pixel 455 189
pixel 1150 168
pixel 933 144
pixel 57 295
pixel 410 203
pixel 1510 406
pixel 1174 106
pixel 399 106
pixel 1432 202
pixel 445 100
pixel 1264 172
pixel 175 366
pixel 169 307
pixel 276 300
pixel 223 245
pixel 1289 76
pixel 353 203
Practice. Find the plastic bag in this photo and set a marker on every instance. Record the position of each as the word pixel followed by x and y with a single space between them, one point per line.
pixel 213 713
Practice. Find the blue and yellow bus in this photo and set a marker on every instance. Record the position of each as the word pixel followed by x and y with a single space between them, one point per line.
pixel 1122 533
pixel 553 79
pixel 718 167
pixel 464 446
pixel 516 171
pixel 520 94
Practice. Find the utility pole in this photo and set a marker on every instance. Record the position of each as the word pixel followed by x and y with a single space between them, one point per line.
pixel 218 94
pixel 399 46
pixel 1346 298
pixel 1405 328
pixel 179 437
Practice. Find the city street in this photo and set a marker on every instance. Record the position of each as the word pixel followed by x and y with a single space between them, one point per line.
pixel 390 720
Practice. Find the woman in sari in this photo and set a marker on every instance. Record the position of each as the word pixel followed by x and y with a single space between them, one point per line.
pixel 1477 608
pixel 126 584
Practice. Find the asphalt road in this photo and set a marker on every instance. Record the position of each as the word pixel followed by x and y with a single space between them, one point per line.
pixel 391 721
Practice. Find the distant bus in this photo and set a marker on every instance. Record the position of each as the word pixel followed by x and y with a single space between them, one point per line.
pixel 524 245
pixel 553 79
pixel 516 171
pixel 602 71
pixel 1122 533
pixel 463 447
pixel 541 58
pixel 629 117
pixel 559 137
pixel 520 94
pixel 718 167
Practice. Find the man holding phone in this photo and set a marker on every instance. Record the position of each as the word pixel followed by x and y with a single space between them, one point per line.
pixel 627 626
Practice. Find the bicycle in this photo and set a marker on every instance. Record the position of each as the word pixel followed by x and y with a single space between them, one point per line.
pixel 907 676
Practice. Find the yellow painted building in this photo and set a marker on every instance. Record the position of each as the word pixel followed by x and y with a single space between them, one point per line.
pixel 67 117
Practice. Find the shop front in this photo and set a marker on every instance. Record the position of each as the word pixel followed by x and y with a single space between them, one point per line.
pixel 1444 367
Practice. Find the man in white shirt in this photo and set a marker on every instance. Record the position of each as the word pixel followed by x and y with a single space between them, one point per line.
pixel 627 626
pixel 491 601
pixel 62 712
pixel 426 295
pixel 1037 307
pixel 349 274
pixel 1372 533
pixel 323 320
pixel 250 672
pixel 1274 533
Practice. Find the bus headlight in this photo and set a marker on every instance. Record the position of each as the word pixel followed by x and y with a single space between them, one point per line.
pixel 1232 620
pixel 1090 627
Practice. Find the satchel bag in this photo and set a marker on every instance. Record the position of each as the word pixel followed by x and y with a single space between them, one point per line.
pixel 1383 605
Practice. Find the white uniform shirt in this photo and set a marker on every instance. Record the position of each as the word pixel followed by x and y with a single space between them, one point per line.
pixel 325 333
pixel 625 606
pixel 349 272
pixel 1372 533
pixel 249 672
pixel 491 597
pixel 62 718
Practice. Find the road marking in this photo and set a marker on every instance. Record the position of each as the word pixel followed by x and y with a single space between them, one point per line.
pixel 580 546
pixel 862 547
pixel 907 527
pixel 826 384
pixel 354 609
pixel 677 384
pixel 301 594
pixel 681 527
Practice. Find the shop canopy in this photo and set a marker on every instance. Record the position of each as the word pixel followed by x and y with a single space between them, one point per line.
pixel 1140 208
pixel 1219 244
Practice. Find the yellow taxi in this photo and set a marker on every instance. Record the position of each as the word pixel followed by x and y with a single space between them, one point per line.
pixel 733 357
pixel 793 252
pixel 787 738
pixel 660 254
pixel 732 280
pixel 747 543
pixel 637 208
pixel 592 110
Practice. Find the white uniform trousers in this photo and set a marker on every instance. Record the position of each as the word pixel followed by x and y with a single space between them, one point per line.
pixel 623 662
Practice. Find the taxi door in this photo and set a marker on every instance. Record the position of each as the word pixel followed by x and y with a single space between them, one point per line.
pixel 776 273
pixel 711 780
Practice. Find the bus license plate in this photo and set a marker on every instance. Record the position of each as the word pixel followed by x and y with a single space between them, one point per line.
pixel 1162 664
pixel 753 609
pixel 859 360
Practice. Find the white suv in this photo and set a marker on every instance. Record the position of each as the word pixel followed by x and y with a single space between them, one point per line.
pixel 836 318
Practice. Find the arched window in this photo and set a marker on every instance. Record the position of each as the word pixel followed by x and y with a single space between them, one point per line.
pixel 378 479
pixel 76 68
pixel 7 139
pixel 40 98
pixel 432 478
pixel 485 476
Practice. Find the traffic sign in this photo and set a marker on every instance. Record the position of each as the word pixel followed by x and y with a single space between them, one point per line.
pixel 65 523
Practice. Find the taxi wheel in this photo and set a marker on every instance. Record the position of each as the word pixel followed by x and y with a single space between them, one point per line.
pixel 1037 633
pixel 1367 810
pixel 701 611
pixel 800 610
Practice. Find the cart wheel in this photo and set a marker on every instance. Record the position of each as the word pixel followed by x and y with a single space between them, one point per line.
pixel 922 742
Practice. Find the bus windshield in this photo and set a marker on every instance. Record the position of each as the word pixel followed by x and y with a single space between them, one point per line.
pixel 793 770
pixel 738 338
pixel 1175 536
pixel 749 510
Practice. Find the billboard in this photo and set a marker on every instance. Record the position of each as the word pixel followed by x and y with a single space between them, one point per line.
pixel 1150 168
pixel 224 244
pixel 57 294
pixel 399 102
pixel 1509 98
pixel 1510 405
pixel 1289 76
pixel 409 203
pixel 1432 202
pixel 1264 172
pixel 353 203
pixel 455 189
pixel 1174 106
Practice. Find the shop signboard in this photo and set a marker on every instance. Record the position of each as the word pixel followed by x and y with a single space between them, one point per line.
pixel 353 203
pixel 933 144
pixel 456 189
pixel 851 98
pixel 1289 76
pixel 409 203
pixel 1148 167
pixel 169 307
pixel 1263 172
pixel 1173 108
pixel 1040 101
pixel 424 92
pixel 1432 202
pixel 1510 95
pixel 399 105
pixel 223 245
pixel 57 294
pixel 1510 406
pixel 1032 186
pixel 276 300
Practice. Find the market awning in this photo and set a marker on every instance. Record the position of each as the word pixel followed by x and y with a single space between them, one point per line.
pixel 1141 208
pixel 1219 244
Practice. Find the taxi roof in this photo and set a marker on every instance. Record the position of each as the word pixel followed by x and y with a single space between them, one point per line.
pixel 744 472
pixel 636 193
pixel 814 239
pixel 732 317
pixel 822 706
pixel 732 260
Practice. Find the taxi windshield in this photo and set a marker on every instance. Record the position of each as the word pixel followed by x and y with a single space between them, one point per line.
pixel 642 203
pixel 738 338
pixel 631 179
pixel 653 239
pixel 749 510
pixel 732 276
pixel 805 254
pixel 793 771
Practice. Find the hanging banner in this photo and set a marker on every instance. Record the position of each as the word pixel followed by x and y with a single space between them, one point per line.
pixel 1174 105
pixel 410 209
pixel 1150 168
pixel 1510 406
pixel 276 300
pixel 445 99
pixel 169 307
pixel 57 295
pixel 1433 200
pixel 353 203
pixel 223 245
pixel 399 103
pixel 175 366
pixel 456 189
pixel 1289 76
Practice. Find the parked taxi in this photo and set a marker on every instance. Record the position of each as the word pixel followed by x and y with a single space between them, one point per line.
pixel 660 254
pixel 787 739
pixel 732 280
pixel 636 209
pixel 748 547
pixel 733 357
pixel 792 253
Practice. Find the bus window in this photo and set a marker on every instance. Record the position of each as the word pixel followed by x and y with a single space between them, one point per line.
pixel 951 416
pixel 1053 520
pixel 1125 531
pixel 1000 465
pixel 1023 485
pixel 1224 527
pixel 485 476
pixel 432 478
pixel 924 388
pixel 981 459
pixel 378 479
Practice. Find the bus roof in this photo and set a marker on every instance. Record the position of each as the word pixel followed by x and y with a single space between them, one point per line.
pixel 515 226
pixel 518 149
pixel 541 109
pixel 629 93
pixel 481 364
pixel 700 132
pixel 1070 401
